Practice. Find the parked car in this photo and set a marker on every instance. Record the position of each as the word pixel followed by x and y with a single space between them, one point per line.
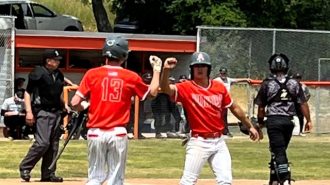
pixel 34 16
pixel 126 26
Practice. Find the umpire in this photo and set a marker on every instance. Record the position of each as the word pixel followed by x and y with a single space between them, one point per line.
pixel 44 106
pixel 279 93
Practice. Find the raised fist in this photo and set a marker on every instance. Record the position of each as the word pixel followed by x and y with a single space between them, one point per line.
pixel 156 63
pixel 170 63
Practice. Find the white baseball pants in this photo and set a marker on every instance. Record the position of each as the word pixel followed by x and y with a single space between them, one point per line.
pixel 107 153
pixel 215 152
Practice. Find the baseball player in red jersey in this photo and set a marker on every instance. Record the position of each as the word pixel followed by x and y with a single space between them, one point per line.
pixel 204 100
pixel 109 90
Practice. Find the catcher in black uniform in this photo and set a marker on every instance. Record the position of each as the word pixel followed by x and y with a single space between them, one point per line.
pixel 276 100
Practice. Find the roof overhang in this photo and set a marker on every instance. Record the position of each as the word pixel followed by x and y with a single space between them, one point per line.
pixel 95 40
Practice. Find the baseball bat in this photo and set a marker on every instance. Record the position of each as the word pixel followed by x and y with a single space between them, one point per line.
pixel 75 122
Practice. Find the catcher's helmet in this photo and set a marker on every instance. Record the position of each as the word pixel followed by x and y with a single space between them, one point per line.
pixel 278 62
pixel 116 47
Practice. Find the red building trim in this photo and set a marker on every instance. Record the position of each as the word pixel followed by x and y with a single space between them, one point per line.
pixel 91 41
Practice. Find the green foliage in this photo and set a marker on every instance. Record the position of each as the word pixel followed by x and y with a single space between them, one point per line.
pixel 182 16
pixel 189 14
pixel 155 158
pixel 294 14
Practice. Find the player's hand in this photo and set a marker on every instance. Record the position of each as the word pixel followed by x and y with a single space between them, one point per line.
pixel 170 63
pixel 29 119
pixel 308 126
pixel 67 108
pixel 259 130
pixel 156 63
pixel 254 135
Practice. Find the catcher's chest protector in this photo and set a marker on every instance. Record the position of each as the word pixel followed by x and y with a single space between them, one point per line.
pixel 283 94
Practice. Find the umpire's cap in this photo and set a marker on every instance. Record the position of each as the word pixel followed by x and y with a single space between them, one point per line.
pixel 52 53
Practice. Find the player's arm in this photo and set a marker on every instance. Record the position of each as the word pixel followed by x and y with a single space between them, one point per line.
pixel 5 112
pixel 4 109
pixel 239 80
pixel 76 103
pixel 239 113
pixel 167 88
pixel 261 116
pixel 29 119
pixel 156 64
pixel 305 110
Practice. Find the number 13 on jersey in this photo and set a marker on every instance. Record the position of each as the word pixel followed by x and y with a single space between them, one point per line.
pixel 112 89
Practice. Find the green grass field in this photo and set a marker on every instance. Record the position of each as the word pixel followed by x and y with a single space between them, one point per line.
pixel 154 158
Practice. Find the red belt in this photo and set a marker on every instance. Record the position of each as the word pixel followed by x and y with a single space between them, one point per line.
pixel 207 135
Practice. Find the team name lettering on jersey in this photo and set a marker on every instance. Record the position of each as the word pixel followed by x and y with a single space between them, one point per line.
pixel 207 101
pixel 113 73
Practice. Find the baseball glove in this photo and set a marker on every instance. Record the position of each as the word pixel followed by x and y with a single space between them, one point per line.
pixel 255 124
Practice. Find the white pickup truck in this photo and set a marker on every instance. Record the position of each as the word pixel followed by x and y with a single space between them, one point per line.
pixel 33 16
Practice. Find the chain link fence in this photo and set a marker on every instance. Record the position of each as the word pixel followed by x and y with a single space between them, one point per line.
pixel 7 51
pixel 245 52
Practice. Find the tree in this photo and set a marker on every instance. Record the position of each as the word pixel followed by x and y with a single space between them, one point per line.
pixel 292 14
pixel 182 16
pixel 191 13
pixel 100 15
pixel 179 16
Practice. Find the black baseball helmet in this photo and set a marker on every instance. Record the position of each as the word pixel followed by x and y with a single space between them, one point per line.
pixel 116 47
pixel 200 58
pixel 278 62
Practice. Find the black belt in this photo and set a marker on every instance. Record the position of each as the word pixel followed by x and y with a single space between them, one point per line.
pixel 207 135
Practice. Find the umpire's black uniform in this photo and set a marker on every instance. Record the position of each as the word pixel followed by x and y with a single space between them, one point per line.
pixel 46 88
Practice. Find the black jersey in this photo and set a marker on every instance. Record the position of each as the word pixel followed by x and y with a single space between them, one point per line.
pixel 46 88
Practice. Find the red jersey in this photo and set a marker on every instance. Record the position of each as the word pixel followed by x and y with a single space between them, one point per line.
pixel 109 90
pixel 204 106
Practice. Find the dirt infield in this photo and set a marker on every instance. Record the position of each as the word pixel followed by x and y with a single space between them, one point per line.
pixel 158 182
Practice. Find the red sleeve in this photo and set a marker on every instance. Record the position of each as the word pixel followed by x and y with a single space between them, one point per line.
pixel 140 88
pixel 177 96
pixel 84 87
pixel 227 101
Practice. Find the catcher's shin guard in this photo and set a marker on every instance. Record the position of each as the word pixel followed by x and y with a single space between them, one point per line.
pixel 273 179
pixel 279 174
